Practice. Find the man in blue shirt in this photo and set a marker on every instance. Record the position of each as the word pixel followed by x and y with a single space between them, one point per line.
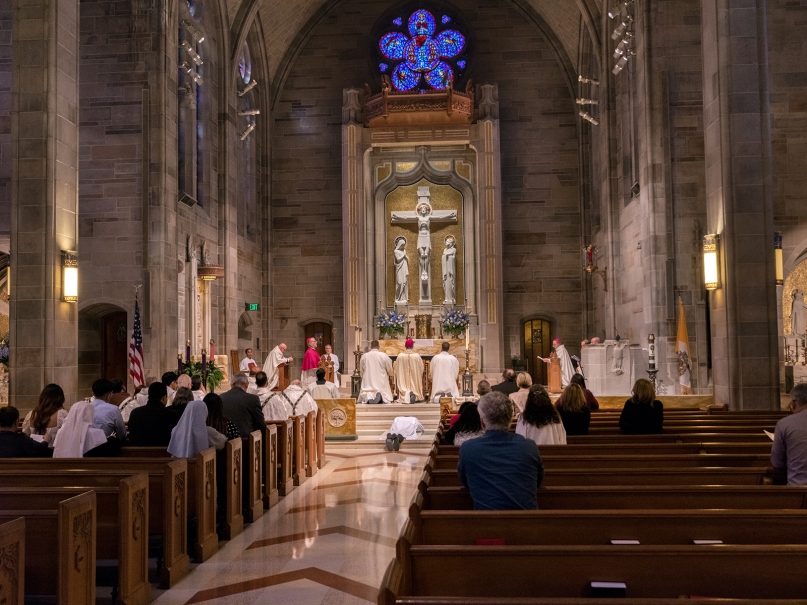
pixel 107 416
pixel 502 470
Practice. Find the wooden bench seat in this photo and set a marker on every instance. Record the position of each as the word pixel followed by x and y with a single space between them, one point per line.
pixel 643 449
pixel 580 601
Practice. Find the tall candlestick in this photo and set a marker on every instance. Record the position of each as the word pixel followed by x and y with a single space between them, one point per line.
pixel 179 363
pixel 651 357
pixel 204 361
pixel 467 335
pixel 188 351
pixel 212 344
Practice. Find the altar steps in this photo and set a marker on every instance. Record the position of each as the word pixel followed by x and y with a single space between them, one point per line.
pixel 373 420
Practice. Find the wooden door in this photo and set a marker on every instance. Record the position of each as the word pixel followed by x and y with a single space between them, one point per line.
pixel 537 342
pixel 322 332
pixel 115 354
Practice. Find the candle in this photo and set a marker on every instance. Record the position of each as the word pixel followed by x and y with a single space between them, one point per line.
pixel 204 361
pixel 188 351
pixel 179 363
pixel 212 344
pixel 432 332
pixel 466 336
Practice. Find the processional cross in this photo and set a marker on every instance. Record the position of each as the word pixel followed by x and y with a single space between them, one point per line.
pixel 423 215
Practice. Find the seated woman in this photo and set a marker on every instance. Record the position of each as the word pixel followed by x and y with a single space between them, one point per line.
pixel 456 416
pixel 540 420
pixel 591 401
pixel 574 412
pixel 77 438
pixel 519 398
pixel 467 427
pixel 191 435
pixel 218 422
pixel 49 413
pixel 182 398
pixel 643 414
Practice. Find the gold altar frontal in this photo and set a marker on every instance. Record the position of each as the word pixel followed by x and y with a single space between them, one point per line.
pixel 340 418
pixel 429 346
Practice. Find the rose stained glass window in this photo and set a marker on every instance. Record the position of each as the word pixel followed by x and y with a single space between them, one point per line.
pixel 422 57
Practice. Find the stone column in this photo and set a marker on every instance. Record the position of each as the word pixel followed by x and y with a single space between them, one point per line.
pixel 44 199
pixel 739 203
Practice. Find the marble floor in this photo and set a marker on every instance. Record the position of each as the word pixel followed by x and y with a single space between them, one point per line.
pixel 330 541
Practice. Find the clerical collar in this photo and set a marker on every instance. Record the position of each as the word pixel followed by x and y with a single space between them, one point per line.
pixel 321 381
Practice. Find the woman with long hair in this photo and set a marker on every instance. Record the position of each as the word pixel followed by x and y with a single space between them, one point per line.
pixel 181 400
pixel 540 421
pixel 591 401
pixel 467 427
pixel 49 412
pixel 216 418
pixel 574 412
pixel 643 414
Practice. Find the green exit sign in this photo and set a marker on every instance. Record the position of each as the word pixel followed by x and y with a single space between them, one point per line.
pixel 253 306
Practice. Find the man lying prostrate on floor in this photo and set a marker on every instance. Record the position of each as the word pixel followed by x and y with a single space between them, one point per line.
pixel 294 401
pixel 502 470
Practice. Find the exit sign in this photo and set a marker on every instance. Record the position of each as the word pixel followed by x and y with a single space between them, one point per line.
pixel 253 306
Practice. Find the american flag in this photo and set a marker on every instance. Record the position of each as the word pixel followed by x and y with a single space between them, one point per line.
pixel 136 351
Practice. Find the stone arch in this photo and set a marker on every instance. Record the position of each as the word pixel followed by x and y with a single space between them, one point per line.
pixel 103 342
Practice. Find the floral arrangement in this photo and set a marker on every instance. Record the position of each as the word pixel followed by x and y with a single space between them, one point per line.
pixel 4 350
pixel 454 322
pixel 214 374
pixel 391 323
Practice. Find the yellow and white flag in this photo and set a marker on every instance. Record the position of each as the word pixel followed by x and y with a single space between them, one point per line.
pixel 682 350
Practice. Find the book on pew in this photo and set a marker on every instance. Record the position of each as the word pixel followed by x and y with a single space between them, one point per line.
pixel 768 433
pixel 624 542
pixel 707 541
pixel 602 590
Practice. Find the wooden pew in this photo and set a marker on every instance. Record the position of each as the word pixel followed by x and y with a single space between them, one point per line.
pixel 299 449
pixel 233 518
pixel 121 523
pixel 320 438
pixel 270 450
pixel 12 558
pixel 253 477
pixel 636 449
pixel 696 437
pixel 170 482
pixel 285 455
pixel 640 497
pixel 311 447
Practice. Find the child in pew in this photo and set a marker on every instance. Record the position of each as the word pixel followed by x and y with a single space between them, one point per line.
pixel 540 421
pixel 19 445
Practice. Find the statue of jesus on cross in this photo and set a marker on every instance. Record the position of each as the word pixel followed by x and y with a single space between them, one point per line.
pixel 423 215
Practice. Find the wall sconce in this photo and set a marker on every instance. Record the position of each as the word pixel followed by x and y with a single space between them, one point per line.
pixel 777 250
pixel 711 251
pixel 69 276
pixel 593 269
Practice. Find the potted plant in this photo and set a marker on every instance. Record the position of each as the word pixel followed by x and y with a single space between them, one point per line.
pixel 214 374
pixel 391 324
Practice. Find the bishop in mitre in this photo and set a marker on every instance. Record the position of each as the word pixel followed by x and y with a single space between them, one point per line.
pixel 444 370
pixel 408 370
pixel 376 368
pixel 566 366
pixel 310 363
pixel 275 358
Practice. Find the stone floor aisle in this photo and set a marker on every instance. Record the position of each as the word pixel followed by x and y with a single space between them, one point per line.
pixel 330 541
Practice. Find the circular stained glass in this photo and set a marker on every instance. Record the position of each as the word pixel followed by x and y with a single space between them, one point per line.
pixel 427 60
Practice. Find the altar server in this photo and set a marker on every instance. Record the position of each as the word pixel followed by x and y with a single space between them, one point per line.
pixel 376 368
pixel 273 360
pixel 330 358
pixel 323 389
pixel 310 363
pixel 408 368
pixel 248 365
pixel 444 370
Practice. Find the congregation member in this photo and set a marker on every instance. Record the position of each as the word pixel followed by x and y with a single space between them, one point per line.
pixel 789 451
pixel 107 417
pixel 119 393
pixel 540 421
pixel 376 369
pixel 468 426
pixel 192 434
pixel 310 363
pixel 151 425
pixel 169 379
pixel 331 359
pixel 643 414
pixel 216 418
pixel 293 401
pixel 78 437
pixel 275 358
pixel 48 415
pixel 197 388
pixel 591 401
pixel 261 388
pixel 444 370
pixel 321 388
pixel 181 400
pixel 502 470
pixel 248 365
pixel 574 412
pixel 566 365
pixel 519 398
pixel 508 384
pixel 243 408
pixel 19 445
pixel 408 371
pixel 482 389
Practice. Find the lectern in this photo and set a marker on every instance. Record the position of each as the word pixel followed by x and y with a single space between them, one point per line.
pixel 282 377
pixel 553 372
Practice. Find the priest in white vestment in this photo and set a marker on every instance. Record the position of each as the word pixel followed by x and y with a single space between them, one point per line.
pixel 323 389
pixel 273 360
pixel 566 366
pixel 334 359
pixel 408 369
pixel 444 370
pixel 261 388
pixel 294 401
pixel 376 368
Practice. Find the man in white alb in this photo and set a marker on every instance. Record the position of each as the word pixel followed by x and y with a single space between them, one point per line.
pixel 294 401
pixel 323 389
pixel 566 367
pixel 376 368
pixel 273 360
pixel 408 369
pixel 248 365
pixel 261 388
pixel 444 370
pixel 329 357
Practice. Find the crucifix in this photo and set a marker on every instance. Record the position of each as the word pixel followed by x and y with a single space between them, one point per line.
pixel 423 215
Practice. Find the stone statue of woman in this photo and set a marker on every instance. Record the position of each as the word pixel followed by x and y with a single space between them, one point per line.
pixel 401 272
pixel 450 272
pixel 798 316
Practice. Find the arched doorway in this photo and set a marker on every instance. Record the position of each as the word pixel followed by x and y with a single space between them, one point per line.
pixel 321 331
pixel 536 342
pixel 103 345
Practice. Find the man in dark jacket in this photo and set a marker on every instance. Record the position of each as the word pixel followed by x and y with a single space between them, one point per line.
pixel 242 408
pixel 18 445
pixel 151 424
pixel 508 384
